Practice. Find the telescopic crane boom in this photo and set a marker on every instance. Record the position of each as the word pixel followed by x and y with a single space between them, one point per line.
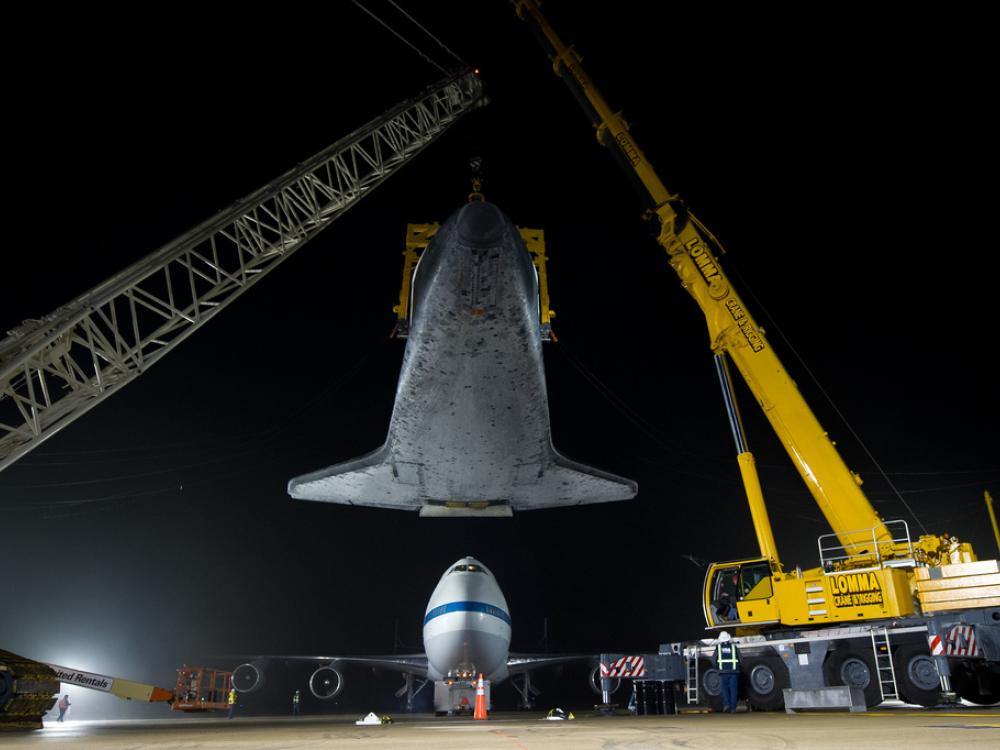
pixel 733 333
pixel 861 539
pixel 892 617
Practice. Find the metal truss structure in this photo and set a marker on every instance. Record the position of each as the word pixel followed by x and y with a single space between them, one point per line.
pixel 55 369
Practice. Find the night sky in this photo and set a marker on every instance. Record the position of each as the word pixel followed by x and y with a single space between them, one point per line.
pixel 852 183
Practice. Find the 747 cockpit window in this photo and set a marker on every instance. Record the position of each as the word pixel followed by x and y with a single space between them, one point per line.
pixel 468 569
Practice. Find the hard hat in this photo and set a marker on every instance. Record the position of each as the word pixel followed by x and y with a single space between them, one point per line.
pixel 724 635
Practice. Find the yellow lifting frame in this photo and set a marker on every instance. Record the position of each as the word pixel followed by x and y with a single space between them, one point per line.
pixel 418 237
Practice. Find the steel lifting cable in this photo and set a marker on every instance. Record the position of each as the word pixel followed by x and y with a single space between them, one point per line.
pixel 632 416
pixel 402 38
pixel 439 42
pixel 734 269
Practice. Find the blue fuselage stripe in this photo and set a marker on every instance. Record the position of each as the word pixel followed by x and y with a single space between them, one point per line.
pixel 487 609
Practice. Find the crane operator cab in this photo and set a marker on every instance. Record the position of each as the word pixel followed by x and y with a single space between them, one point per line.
pixel 739 591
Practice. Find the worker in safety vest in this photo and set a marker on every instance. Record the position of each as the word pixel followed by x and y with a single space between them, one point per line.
pixel 296 698
pixel 727 661
pixel 232 702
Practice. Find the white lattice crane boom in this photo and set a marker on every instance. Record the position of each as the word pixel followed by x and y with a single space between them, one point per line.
pixel 55 369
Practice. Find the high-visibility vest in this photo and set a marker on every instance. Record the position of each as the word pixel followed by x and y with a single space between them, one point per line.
pixel 232 697
pixel 727 656
pixel 295 698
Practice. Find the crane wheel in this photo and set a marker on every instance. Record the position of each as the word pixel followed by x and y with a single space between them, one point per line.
pixel 766 680
pixel 855 669
pixel 710 687
pixel 917 675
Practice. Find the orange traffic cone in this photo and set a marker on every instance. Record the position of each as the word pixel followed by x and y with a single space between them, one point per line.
pixel 480 712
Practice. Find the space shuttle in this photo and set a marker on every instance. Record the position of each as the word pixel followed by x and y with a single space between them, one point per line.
pixel 470 432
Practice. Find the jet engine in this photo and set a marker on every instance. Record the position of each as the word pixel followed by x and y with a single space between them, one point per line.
pixel 248 677
pixel 326 683
pixel 595 682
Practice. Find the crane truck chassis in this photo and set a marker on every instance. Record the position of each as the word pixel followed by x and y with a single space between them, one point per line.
pixel 903 659
pixel 893 616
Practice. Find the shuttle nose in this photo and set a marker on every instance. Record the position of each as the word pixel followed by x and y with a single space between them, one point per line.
pixel 480 224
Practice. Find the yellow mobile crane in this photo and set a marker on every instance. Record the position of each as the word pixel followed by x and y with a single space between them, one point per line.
pixel 917 619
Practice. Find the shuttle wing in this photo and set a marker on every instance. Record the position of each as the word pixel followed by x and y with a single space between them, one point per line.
pixel 373 480
pixel 383 480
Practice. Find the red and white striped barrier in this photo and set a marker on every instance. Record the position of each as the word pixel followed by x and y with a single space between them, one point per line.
pixel 626 666
pixel 960 641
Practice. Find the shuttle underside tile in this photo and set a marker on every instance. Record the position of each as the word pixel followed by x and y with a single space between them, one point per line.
pixel 469 433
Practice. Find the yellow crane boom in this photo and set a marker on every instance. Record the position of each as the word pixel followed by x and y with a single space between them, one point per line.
pixel 732 330
pixel 893 617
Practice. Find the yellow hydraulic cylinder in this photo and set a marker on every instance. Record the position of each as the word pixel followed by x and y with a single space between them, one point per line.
pixel 758 510
pixel 993 516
